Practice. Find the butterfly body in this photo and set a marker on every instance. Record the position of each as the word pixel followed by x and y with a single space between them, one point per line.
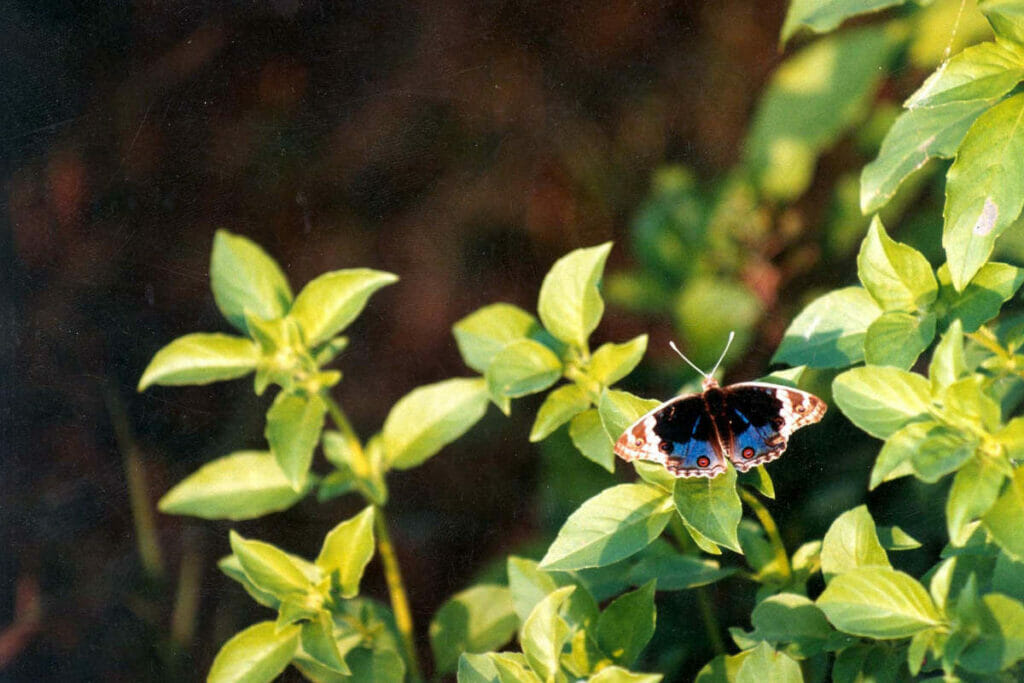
pixel 694 435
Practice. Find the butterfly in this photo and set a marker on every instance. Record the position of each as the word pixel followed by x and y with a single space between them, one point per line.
pixel 694 435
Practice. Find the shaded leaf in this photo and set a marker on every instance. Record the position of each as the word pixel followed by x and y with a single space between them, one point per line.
pixel 294 423
pixel 829 332
pixel 523 367
pixel 711 506
pixel 475 620
pixel 590 438
pixel 1003 519
pixel 898 338
pixel 627 624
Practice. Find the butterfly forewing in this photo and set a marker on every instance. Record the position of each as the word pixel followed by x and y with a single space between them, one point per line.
pixel 678 434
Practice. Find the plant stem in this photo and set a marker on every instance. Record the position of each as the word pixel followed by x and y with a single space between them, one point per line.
pixel 396 589
pixel 392 570
pixel 703 594
pixel 771 529
pixel 342 423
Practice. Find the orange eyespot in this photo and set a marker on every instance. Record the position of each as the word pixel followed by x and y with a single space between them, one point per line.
pixel 639 442
pixel 748 453
pixel 703 461
pixel 800 408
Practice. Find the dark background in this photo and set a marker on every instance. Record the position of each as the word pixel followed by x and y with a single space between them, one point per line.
pixel 462 145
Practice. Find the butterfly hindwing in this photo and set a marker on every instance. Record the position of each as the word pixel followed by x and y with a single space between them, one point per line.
pixel 761 418
pixel 678 434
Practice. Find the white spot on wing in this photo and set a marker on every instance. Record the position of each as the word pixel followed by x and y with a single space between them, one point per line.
pixel 987 219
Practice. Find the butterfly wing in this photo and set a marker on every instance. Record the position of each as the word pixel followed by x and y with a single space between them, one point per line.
pixel 678 434
pixel 761 417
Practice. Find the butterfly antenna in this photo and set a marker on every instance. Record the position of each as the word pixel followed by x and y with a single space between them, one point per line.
pixel 688 361
pixel 724 351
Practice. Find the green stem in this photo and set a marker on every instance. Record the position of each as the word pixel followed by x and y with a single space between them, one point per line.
pixel 396 589
pixel 146 535
pixel 711 626
pixel 392 570
pixel 771 529
pixel 342 423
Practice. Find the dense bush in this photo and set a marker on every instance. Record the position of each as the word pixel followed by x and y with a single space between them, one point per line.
pixel 925 359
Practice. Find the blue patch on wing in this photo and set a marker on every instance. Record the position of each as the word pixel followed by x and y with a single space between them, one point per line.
pixel 753 445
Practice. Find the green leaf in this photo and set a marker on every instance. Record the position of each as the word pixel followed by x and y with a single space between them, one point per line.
pixel 895 538
pixel 984 188
pixel 241 485
pixel 943 450
pixel 380 665
pixel 965 401
pixel 1000 643
pixel 512 668
pixel 230 565
pixel 627 624
pixel 948 363
pixel 559 406
pixel 615 674
pixel 259 653
pixel 611 362
pixel 271 569
pixel 823 16
pixel 898 338
pixel 544 633
pixel 1006 18
pixel 569 304
pixel 620 409
pixel 590 438
pixel 330 350
pixel 1008 577
pixel 852 543
pixel 829 332
pixel 676 572
pixel 811 99
pixel 791 618
pixel 917 136
pixel 980 301
pixel 722 669
pixel 878 602
pixel 898 276
pixel 347 549
pixel 485 332
pixel 765 664
pixel 712 507
pixel 294 423
pixel 611 526
pixel 530 585
pixel 523 367
pixel 328 304
pixel 201 359
pixel 1011 438
pixel 429 418
pixel 318 642
pixel 475 620
pixel 917 651
pixel 244 278
pixel 477 669
pixel 1003 519
pixel 981 72
pixel 894 460
pixel 881 400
